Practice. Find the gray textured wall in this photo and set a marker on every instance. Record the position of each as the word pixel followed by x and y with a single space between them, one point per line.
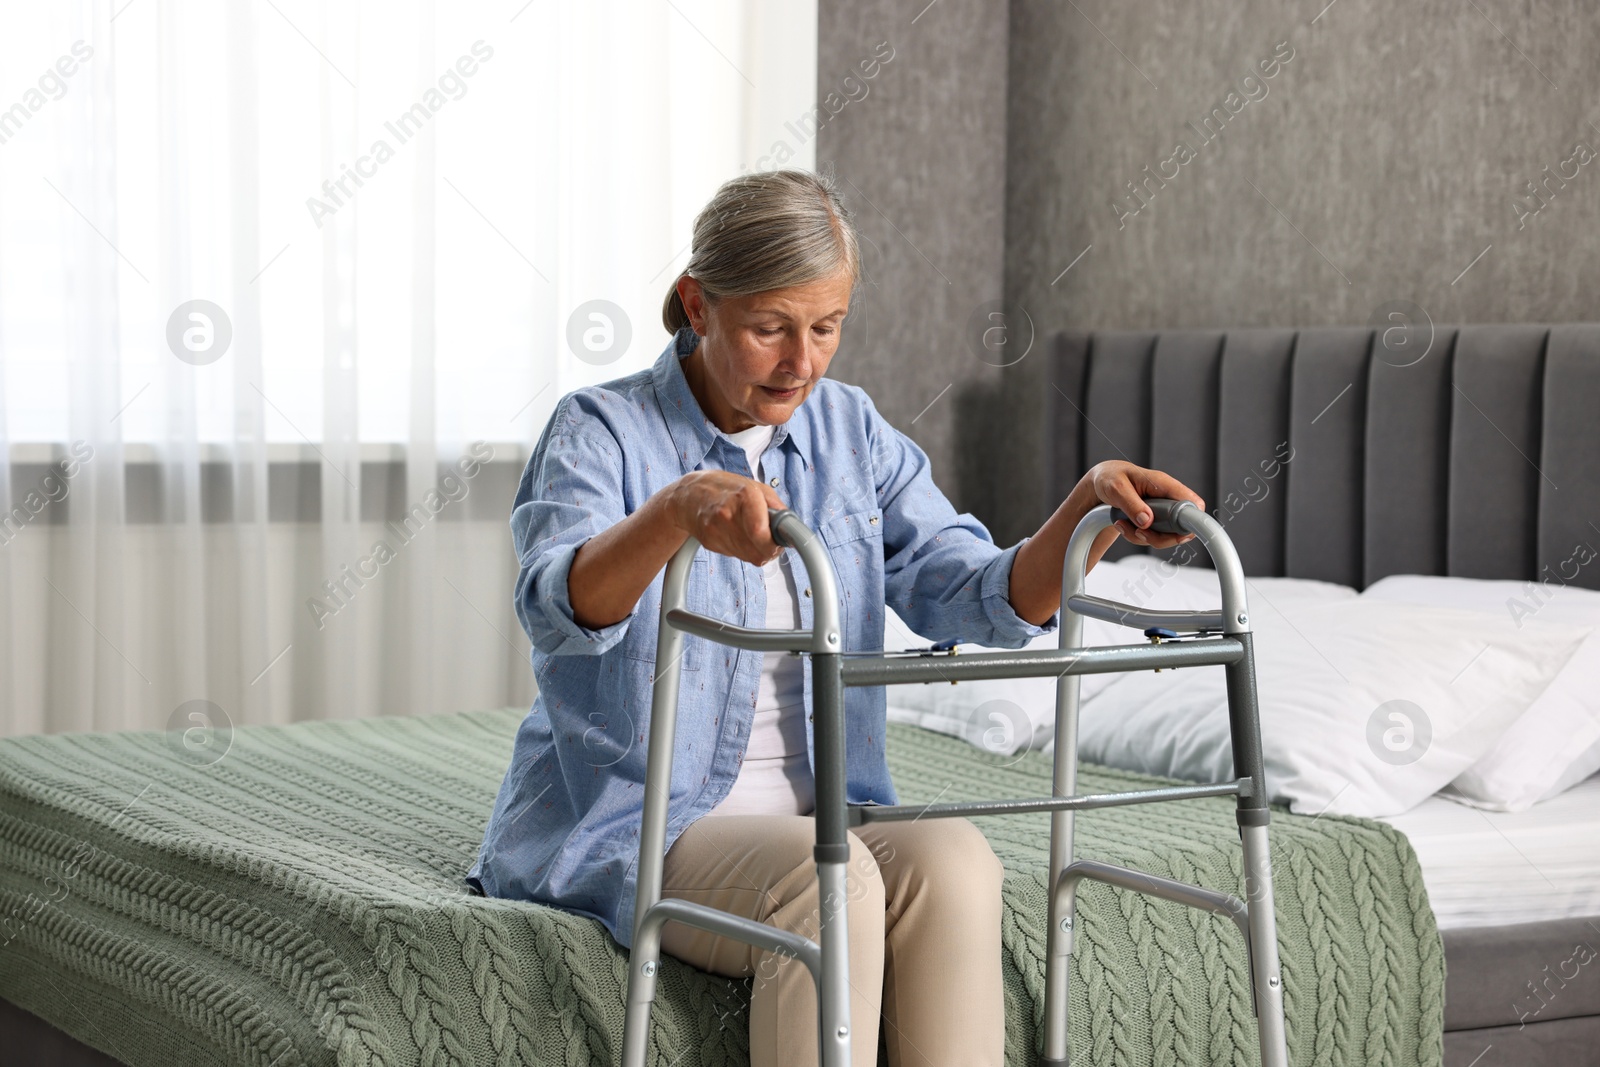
pixel 1383 158
pixel 920 160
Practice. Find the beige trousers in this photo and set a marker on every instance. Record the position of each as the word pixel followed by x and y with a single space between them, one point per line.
pixel 924 915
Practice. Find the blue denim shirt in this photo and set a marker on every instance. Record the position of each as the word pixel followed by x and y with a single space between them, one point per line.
pixel 565 826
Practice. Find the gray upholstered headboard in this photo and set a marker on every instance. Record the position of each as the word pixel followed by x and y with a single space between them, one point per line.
pixel 1480 459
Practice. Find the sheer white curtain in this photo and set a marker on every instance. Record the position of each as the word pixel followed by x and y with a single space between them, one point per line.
pixel 287 292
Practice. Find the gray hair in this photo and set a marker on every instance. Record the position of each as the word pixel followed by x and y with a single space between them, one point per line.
pixel 767 230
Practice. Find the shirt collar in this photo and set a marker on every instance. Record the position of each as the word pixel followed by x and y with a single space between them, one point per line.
pixel 693 433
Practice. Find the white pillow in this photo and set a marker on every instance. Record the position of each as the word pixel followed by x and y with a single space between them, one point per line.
pixel 1367 708
pixel 1556 743
pixel 1006 715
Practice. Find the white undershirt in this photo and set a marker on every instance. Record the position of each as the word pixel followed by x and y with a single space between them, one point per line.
pixel 775 777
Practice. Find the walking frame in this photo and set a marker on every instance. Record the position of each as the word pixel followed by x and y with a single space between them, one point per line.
pixel 1177 639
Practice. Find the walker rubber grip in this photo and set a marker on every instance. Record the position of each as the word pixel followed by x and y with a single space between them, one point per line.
pixel 1164 515
pixel 774 516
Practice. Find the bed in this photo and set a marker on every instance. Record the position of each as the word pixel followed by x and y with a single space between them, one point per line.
pixel 1468 451
pixel 300 902
pixel 300 899
pixel 1515 894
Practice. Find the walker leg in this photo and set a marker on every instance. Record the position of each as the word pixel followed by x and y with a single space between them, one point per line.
pixel 1057 977
pixel 644 957
pixel 833 991
pixel 1253 815
pixel 1265 977
pixel 642 967
pixel 1064 783
pixel 832 857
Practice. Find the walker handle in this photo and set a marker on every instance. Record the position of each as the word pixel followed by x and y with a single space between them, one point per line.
pixel 1167 516
pixel 786 533
pixel 1164 516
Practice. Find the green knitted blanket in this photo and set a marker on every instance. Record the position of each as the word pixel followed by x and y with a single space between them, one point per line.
pixel 299 901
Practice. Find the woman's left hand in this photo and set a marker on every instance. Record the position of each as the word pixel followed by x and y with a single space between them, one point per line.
pixel 1125 485
pixel 1035 590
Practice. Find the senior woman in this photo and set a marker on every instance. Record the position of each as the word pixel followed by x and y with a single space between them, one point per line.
pixel 735 417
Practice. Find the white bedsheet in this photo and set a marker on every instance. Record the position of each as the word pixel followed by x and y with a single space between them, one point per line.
pixel 1490 868
pixel 1494 868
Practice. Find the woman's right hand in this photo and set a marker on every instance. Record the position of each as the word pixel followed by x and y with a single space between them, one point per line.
pixel 727 513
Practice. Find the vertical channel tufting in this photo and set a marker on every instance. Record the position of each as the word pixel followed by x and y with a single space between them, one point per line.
pixel 1408 458
pixel 1252 428
pixel 1118 408
pixel 1183 413
pixel 1480 459
pixel 1327 411
pixel 1118 394
pixel 1569 504
pixel 1069 361
pixel 1494 451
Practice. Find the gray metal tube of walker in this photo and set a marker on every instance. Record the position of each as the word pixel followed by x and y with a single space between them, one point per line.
pixel 1170 516
pixel 832 850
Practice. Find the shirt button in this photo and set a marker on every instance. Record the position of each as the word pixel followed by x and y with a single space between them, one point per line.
pixel 808 590
pixel 774 482
pixel 873 520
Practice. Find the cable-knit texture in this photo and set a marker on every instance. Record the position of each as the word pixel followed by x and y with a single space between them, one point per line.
pixel 300 902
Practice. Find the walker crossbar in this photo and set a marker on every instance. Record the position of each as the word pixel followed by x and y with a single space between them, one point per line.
pixel 763 935
pixel 727 633
pixel 1093 607
pixel 1065 893
pixel 833 670
pixel 860 813
pixel 1045 663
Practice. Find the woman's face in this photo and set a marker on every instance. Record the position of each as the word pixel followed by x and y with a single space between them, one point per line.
pixel 760 355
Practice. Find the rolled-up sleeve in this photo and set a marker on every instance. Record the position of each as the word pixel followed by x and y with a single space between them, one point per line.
pixel 943 572
pixel 570 491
